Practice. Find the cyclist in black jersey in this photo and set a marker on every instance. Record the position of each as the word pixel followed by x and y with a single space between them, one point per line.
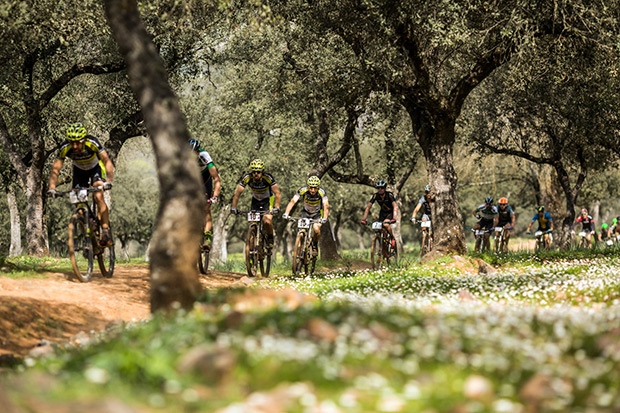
pixel 265 194
pixel 212 185
pixel 316 206
pixel 387 202
pixel 91 165
pixel 505 218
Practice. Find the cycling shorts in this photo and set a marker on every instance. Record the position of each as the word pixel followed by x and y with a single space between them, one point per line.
pixel 383 215
pixel 313 215
pixel 85 178
pixel 262 204
pixel 208 187
pixel 485 223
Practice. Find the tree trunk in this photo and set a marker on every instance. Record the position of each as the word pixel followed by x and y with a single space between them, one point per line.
pixel 448 236
pixel 360 237
pixel 219 247
pixel 174 242
pixel 16 228
pixel 327 244
pixel 36 238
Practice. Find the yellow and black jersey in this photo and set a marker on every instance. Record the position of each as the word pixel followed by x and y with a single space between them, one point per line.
pixel 85 160
pixel 261 189
pixel 312 203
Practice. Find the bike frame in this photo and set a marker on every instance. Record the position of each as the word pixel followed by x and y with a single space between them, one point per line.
pixel 306 226
pixel 257 255
pixel 384 237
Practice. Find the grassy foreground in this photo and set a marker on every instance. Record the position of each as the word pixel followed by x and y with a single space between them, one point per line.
pixel 539 335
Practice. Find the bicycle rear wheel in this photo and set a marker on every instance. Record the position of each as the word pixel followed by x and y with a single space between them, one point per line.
pixel 251 252
pixel 203 259
pixel 298 253
pixel 264 257
pixel 424 248
pixel 80 248
pixel 392 253
pixel 105 257
pixel 376 252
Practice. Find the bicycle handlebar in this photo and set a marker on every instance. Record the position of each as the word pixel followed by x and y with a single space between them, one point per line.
pixel 77 189
pixel 313 220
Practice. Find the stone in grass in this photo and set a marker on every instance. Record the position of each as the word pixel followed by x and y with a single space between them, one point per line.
pixel 213 363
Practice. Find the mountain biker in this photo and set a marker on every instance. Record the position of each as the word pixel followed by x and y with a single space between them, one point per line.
pixel 315 204
pixel 587 223
pixel 389 210
pixel 605 233
pixel 91 163
pixel 615 228
pixel 212 184
pixel 545 223
pixel 424 203
pixel 487 215
pixel 265 195
pixel 505 218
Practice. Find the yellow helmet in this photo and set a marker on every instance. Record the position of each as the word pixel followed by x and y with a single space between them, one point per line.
pixel 76 132
pixel 257 165
pixel 314 182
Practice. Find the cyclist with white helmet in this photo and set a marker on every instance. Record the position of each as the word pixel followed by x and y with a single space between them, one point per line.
pixel 265 194
pixel 316 206
pixel 91 165
pixel 487 216
pixel 389 209
pixel 424 203
pixel 587 222
pixel 212 184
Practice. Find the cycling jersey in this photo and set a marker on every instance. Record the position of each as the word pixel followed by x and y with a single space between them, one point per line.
pixel 261 189
pixel 544 221
pixel 505 215
pixel 204 161
pixel 88 158
pixel 426 205
pixel 587 222
pixel 385 203
pixel 313 204
pixel 486 212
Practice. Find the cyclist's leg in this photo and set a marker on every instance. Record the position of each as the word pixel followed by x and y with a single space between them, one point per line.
pixel 265 205
pixel 97 178
pixel 208 184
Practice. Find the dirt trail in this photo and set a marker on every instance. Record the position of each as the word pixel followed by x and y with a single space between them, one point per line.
pixel 56 308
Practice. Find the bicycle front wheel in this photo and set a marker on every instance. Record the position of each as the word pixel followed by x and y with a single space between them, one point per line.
pixel 424 248
pixel 203 259
pixel 298 253
pixel 376 252
pixel 80 248
pixel 251 252
pixel 264 257
pixel 105 257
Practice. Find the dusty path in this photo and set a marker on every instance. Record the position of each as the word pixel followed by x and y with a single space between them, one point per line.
pixel 57 309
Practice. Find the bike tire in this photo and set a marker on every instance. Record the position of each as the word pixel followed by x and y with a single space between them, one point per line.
pixel 425 241
pixel 80 248
pixel 478 242
pixel 376 252
pixel 264 258
pixel 307 253
pixel 298 252
pixel 105 256
pixel 203 259
pixel 251 252
pixel 392 256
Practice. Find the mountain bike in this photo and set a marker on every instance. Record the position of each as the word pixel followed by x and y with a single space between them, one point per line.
pixel 427 236
pixel 543 240
pixel 481 235
pixel 583 240
pixel 500 239
pixel 303 255
pixel 257 251
pixel 83 232
pixel 383 250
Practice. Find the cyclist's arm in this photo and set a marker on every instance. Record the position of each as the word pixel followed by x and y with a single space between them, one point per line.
pixel 56 167
pixel 325 207
pixel 109 166
pixel 514 218
pixel 217 183
pixel 278 195
pixel 475 212
pixel 367 211
pixel 496 220
pixel 236 196
pixel 550 224
pixel 415 211
pixel 395 209
pixel 291 204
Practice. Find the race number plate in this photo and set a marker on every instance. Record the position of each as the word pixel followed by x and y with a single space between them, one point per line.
pixel 425 224
pixel 253 216
pixel 582 234
pixel 479 232
pixel 377 225
pixel 498 229
pixel 610 242
pixel 538 233
pixel 303 223
pixel 79 196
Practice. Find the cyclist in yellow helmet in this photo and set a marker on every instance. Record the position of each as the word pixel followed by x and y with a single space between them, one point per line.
pixel 316 206
pixel 91 165
pixel 265 194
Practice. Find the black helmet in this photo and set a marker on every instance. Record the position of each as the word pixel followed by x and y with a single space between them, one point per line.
pixel 194 144
pixel 381 184
pixel 488 200
pixel 541 209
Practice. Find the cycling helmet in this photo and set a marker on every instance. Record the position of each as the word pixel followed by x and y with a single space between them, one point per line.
pixel 257 165
pixel 584 211
pixel 314 182
pixel 541 209
pixel 604 226
pixel 615 220
pixel 488 201
pixel 76 132
pixel 503 201
pixel 381 184
pixel 194 144
pixel 427 188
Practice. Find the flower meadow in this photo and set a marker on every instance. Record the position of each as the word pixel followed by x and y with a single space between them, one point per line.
pixel 541 337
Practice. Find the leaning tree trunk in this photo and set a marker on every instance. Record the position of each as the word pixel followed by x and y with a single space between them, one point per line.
pixel 327 244
pixel 219 249
pixel 174 246
pixel 16 228
pixel 36 239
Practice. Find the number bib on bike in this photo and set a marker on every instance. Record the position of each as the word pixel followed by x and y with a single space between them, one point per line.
pixel 377 225
pixel 303 223
pixel 253 216
pixel 80 196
